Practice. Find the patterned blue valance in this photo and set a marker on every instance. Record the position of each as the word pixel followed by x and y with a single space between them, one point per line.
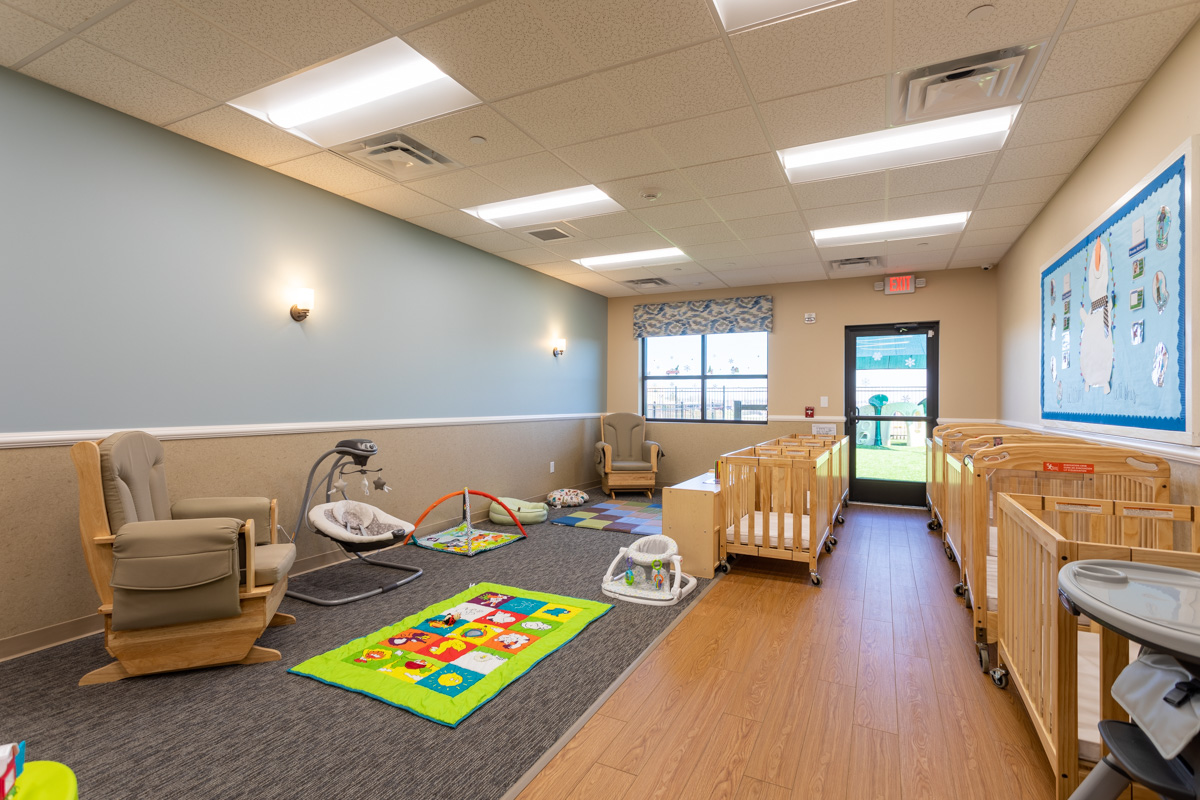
pixel 728 315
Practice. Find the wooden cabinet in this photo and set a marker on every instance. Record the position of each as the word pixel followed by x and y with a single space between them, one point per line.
pixel 692 517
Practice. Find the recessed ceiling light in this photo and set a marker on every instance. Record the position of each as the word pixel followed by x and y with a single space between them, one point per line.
pixel 938 140
pixel 981 13
pixel 914 228
pixel 477 140
pixel 738 15
pixel 581 201
pixel 382 87
pixel 642 258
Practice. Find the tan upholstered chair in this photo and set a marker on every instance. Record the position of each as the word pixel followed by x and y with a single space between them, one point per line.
pixel 624 459
pixel 183 586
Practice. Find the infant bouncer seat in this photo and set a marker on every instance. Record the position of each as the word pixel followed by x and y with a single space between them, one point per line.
pixel 639 573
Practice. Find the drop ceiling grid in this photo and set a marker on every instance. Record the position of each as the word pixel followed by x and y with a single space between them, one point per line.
pixel 709 184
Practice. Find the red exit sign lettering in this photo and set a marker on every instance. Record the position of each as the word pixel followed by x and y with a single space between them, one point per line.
pixel 899 284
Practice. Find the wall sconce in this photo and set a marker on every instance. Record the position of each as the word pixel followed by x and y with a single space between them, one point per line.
pixel 302 303
pixel 560 347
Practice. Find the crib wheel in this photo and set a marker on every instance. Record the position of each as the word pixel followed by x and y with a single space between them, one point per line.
pixel 1000 677
pixel 724 567
pixel 967 597
pixel 833 540
pixel 959 590
pixel 985 659
pixel 949 552
pixel 933 525
pixel 841 520
pixel 816 579
pixel 828 547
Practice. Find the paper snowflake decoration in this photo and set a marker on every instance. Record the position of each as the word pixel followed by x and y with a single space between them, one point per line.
pixel 878 356
pixel 910 362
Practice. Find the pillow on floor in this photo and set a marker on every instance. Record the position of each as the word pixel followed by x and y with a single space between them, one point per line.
pixel 529 513
pixel 566 498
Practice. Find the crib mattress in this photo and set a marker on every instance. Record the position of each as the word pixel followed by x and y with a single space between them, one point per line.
pixel 740 533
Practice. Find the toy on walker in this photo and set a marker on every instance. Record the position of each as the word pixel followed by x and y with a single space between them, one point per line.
pixel 639 573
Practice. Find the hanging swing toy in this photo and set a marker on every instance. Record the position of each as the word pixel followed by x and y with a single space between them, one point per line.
pixel 645 579
pixel 356 527
pixel 463 539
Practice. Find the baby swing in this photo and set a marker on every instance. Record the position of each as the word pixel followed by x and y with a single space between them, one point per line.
pixel 648 583
pixel 356 527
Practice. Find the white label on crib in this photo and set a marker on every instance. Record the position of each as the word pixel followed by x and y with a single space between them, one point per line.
pixel 824 429
pixel 1079 508
pixel 1156 513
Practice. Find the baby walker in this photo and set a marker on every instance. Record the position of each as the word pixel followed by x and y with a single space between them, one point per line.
pixel 639 573
pixel 1157 607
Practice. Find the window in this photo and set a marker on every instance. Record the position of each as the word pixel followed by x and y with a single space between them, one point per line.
pixel 716 377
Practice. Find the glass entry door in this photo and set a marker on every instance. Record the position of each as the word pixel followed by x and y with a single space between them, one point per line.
pixel 891 405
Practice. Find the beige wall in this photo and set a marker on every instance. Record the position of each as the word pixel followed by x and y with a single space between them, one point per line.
pixel 44 583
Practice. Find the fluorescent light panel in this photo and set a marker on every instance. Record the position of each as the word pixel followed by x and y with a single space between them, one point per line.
pixel 581 201
pixel 938 140
pixel 913 228
pixel 642 258
pixel 738 15
pixel 382 87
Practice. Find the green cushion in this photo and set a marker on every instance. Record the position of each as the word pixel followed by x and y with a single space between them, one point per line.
pixel 529 513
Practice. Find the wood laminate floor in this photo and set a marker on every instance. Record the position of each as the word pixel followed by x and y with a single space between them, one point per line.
pixel 771 688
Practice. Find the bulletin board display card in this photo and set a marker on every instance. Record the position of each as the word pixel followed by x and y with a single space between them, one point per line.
pixel 1116 340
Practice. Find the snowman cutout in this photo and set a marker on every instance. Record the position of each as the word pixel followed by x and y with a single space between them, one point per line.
pixel 1095 316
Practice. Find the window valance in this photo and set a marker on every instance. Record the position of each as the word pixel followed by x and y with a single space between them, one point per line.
pixel 727 315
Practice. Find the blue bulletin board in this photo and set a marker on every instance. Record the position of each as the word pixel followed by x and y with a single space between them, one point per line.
pixel 1115 341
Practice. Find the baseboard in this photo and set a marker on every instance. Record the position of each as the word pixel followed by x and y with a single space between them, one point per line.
pixel 50 636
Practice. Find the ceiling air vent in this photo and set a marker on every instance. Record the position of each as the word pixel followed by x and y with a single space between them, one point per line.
pixel 972 83
pixel 855 264
pixel 549 234
pixel 396 155
pixel 646 283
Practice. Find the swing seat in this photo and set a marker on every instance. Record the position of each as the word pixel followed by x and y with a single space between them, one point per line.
pixel 644 552
pixel 359 524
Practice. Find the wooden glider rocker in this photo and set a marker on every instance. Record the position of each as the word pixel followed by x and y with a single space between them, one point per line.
pixel 181 586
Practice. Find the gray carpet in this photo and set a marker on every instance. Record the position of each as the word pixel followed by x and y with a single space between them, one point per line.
pixel 256 731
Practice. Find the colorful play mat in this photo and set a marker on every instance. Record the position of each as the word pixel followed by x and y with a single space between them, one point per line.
pixel 444 662
pixel 623 516
pixel 466 540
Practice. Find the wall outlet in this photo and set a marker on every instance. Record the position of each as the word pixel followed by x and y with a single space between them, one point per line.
pixel 551 467
pixel 824 401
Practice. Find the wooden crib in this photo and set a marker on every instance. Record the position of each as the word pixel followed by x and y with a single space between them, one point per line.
pixel 1054 468
pixel 776 503
pixel 948 439
pixel 1063 671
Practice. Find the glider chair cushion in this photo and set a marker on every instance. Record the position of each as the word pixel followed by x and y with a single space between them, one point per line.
pixel 272 562
pixel 243 508
pixel 624 452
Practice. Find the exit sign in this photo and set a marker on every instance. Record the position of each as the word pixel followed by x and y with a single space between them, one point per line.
pixel 899 284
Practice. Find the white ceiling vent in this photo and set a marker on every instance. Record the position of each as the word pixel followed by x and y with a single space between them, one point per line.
pixel 973 83
pixel 647 283
pixel 549 234
pixel 396 155
pixel 849 265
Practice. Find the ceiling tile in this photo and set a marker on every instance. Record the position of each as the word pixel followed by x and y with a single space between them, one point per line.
pixel 826 114
pixel 65 14
pixel 992 236
pixel 402 15
pixel 737 175
pixel 569 113
pixel 773 225
pixel 980 255
pixel 788 258
pixel 700 234
pixel 923 260
pixel 584 248
pixel 494 241
pixel 332 173
pixel 779 244
pixel 461 189
pixel 757 276
pixel 1052 158
pixel 451 136
pixel 753 204
pixel 497 49
pixel 677 270
pixel 162 37
pixel 926 244
pixel 1086 114
pixel 617 224
pixel 927 205
pixel 716 250
pixel 1096 12
pixel 930 31
pixel 814 51
pixel 532 174
pixel 1017 193
pixel 300 33
pixel 605 33
pixel 671 186
pixel 731 263
pixel 242 135
pixel 533 256
pixel 630 274
pixel 633 242
pixel 97 75
pixel 839 216
pixel 21 35
pixel 699 280
pixel 687 83
pixel 842 191
pixel 399 201
pixel 957 173
pixel 1004 217
pixel 615 157
pixel 555 268
pixel 453 223
pixel 716 137
pixel 598 284
pixel 1112 54
pixel 677 215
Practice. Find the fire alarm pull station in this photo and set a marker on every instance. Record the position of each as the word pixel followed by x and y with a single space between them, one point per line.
pixel 809 412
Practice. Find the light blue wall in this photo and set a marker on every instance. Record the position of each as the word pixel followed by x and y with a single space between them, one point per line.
pixel 143 279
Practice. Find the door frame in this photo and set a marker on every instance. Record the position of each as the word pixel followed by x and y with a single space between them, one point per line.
pixel 881 492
